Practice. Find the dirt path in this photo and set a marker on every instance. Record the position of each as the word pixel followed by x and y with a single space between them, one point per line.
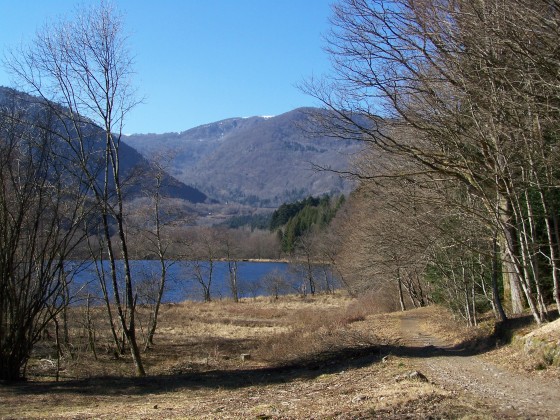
pixel 512 394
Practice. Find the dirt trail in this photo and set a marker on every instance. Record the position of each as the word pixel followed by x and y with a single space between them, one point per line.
pixel 512 394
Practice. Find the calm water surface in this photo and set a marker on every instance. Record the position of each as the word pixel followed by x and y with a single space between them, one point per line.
pixel 254 279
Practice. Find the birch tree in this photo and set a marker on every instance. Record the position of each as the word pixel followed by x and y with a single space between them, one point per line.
pixel 42 206
pixel 83 64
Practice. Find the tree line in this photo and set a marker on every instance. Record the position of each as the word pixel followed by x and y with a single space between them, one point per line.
pixel 294 220
pixel 457 104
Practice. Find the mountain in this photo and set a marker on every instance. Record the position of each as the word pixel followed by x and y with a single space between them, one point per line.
pixel 259 161
pixel 131 162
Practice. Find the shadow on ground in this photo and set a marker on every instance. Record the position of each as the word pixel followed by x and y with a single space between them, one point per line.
pixel 308 368
pixel 332 362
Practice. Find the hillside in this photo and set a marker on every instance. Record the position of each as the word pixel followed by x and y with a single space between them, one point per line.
pixel 260 161
pixel 135 168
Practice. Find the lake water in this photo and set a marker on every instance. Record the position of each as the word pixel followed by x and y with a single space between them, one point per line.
pixel 254 279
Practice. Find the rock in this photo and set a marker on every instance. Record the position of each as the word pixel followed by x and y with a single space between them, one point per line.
pixel 359 398
pixel 414 376
pixel 543 344
pixel 417 376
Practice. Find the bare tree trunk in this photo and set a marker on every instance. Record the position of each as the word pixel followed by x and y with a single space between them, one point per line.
pixel 473 301
pixel 58 347
pixel 66 297
pixel 531 246
pixel 100 270
pixel 512 282
pixel 556 290
pixel 551 224
pixel 399 284
pixel 495 291
pixel 232 268
pixel 154 316
pixel 90 328
pixel 310 277
pixel 130 329
pixel 161 252
pixel 520 252
pixel 232 265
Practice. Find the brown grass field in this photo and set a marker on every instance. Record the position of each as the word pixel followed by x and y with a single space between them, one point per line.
pixel 327 356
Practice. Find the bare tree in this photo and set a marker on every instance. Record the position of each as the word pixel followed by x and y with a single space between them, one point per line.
pixel 275 284
pixel 84 65
pixel 463 89
pixel 151 221
pixel 305 257
pixel 231 250
pixel 204 252
pixel 41 208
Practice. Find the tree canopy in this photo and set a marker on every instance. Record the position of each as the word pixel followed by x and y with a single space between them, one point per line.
pixel 293 220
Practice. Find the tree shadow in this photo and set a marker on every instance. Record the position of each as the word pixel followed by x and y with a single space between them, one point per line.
pixel 310 367
pixel 503 334
pixel 506 330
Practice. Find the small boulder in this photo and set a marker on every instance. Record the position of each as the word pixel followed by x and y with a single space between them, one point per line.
pixel 412 376
pixel 417 376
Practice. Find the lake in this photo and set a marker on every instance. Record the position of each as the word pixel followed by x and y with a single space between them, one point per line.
pixel 183 279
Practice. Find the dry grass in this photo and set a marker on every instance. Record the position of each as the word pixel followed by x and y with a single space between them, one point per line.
pixel 442 323
pixel 512 351
pixel 319 357
pixel 197 336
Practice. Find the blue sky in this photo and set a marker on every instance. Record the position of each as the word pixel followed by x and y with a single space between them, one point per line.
pixel 199 61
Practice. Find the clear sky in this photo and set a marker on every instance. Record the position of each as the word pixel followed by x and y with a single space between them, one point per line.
pixel 200 61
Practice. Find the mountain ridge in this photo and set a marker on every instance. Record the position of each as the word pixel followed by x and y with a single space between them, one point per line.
pixel 260 161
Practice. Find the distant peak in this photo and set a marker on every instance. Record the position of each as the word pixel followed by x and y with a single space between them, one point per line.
pixel 266 117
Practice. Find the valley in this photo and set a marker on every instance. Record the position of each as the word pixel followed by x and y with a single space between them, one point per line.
pixel 410 224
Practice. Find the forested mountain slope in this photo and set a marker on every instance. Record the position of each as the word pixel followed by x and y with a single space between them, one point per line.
pixel 138 172
pixel 261 161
